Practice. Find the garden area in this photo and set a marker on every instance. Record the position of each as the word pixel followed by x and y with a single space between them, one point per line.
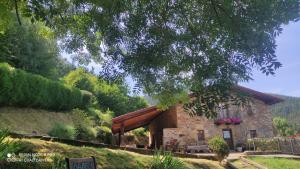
pixel 267 162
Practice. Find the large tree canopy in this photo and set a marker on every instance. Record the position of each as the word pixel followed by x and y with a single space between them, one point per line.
pixel 31 47
pixel 169 46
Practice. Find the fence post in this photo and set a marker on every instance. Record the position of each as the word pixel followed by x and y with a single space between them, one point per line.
pixel 254 145
pixel 278 144
pixel 291 143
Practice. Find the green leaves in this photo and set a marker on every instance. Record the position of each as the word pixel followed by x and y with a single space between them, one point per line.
pixel 283 127
pixel 219 146
pixel 165 161
pixel 22 89
pixel 114 97
pixel 193 45
pixel 6 145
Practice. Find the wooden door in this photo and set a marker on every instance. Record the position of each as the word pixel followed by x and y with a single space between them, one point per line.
pixel 227 136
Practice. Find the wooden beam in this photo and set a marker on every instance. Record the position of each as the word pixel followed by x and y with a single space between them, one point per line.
pixel 121 133
pixel 134 114
pixel 135 122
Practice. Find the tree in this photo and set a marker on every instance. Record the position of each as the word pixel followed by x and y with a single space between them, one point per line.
pixel 282 126
pixel 171 46
pixel 33 48
pixel 114 97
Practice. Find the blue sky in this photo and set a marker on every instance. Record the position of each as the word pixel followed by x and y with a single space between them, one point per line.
pixel 286 80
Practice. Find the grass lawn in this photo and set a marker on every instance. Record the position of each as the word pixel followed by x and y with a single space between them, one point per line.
pixel 276 163
pixel 108 158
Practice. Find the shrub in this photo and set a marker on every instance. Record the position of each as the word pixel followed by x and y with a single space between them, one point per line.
pixel 7 146
pixel 219 146
pixel 62 131
pixel 85 133
pixel 263 144
pixel 165 161
pixel 83 125
pixel 140 136
pixel 87 98
pixel 58 162
pixel 22 89
pixel 140 132
pixel 104 134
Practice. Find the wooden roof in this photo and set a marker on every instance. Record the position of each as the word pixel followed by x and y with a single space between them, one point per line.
pixel 142 117
pixel 136 119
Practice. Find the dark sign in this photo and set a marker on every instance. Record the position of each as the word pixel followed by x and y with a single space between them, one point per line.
pixel 81 163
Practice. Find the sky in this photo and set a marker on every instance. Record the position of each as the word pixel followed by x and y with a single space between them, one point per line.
pixel 286 80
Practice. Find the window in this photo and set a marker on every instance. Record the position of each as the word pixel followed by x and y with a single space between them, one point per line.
pixel 253 134
pixel 201 135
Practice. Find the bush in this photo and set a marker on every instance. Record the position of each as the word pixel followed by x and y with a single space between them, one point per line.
pixel 104 134
pixel 165 161
pixel 263 144
pixel 83 125
pixel 85 133
pixel 140 132
pixel 7 146
pixel 22 89
pixel 219 146
pixel 62 131
pixel 58 162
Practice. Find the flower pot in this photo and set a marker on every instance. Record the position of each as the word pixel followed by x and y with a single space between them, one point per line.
pixel 239 149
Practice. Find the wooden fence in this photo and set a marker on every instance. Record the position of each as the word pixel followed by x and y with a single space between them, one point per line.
pixel 284 145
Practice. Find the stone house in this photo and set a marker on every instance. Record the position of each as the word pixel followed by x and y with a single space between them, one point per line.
pixel 174 126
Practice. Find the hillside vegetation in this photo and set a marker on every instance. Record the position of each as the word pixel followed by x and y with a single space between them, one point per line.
pixel 289 109
pixel 22 89
pixel 27 120
pixel 105 157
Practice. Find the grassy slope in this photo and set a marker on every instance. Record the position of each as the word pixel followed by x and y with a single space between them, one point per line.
pixel 277 163
pixel 108 158
pixel 26 120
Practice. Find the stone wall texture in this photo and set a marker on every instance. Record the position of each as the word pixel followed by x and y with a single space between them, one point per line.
pixel 254 117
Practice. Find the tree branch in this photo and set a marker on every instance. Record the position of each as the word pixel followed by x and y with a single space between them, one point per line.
pixel 17 12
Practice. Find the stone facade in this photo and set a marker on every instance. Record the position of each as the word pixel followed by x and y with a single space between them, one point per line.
pixel 185 128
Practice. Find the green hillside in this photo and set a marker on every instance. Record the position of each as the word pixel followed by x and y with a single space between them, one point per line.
pixel 289 109
pixel 27 120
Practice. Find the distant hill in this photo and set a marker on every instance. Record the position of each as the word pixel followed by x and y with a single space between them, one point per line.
pixel 289 109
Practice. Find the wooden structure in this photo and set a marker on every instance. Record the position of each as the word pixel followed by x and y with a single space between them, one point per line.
pixel 133 120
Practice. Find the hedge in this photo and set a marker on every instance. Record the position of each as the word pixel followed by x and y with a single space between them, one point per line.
pixel 22 89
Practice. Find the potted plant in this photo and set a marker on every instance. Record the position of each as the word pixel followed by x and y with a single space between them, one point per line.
pixel 240 147
pixel 219 121
pixel 227 121
pixel 236 120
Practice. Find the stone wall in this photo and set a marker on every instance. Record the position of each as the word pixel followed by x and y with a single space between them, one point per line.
pixel 256 117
